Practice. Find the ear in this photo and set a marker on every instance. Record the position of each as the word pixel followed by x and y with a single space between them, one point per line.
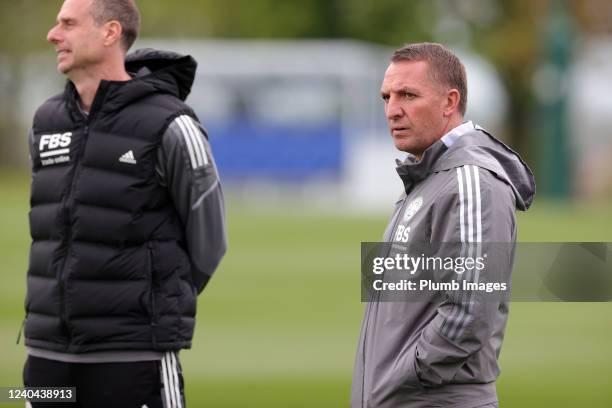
pixel 112 32
pixel 451 102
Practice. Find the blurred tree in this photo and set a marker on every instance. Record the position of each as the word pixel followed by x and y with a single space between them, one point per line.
pixel 513 45
pixel 505 31
pixel 594 16
pixel 241 19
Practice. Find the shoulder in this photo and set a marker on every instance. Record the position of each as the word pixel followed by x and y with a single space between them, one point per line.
pixel 183 127
pixel 166 101
pixel 471 183
pixel 156 109
pixel 50 105
pixel 185 134
pixel 475 205
pixel 57 98
pixel 53 115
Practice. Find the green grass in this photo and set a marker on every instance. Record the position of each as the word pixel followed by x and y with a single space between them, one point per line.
pixel 278 325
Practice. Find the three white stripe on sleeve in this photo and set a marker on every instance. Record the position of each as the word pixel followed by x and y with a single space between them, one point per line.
pixel 172 389
pixel 470 205
pixel 470 227
pixel 193 140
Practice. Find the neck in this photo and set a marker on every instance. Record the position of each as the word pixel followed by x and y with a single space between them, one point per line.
pixel 87 81
pixel 452 123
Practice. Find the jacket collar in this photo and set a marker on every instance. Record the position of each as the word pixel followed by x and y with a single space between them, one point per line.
pixel 412 171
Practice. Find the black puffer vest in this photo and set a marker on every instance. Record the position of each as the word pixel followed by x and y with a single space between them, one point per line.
pixel 108 269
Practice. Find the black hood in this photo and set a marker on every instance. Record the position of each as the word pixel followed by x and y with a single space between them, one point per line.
pixel 153 72
pixel 168 71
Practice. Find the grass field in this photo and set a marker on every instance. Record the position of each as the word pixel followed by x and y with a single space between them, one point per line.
pixel 277 327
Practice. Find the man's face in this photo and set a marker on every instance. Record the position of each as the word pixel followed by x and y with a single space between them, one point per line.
pixel 414 106
pixel 79 43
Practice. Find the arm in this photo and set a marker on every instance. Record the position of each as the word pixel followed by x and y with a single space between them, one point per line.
pixel 186 167
pixel 478 210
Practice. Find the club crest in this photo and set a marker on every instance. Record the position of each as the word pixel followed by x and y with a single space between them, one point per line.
pixel 412 208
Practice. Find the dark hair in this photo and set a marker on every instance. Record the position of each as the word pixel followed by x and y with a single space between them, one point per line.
pixel 125 12
pixel 445 69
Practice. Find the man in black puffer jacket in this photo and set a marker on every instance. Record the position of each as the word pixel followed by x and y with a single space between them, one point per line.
pixel 127 217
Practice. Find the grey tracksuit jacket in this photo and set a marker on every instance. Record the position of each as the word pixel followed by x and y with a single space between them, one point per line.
pixel 443 353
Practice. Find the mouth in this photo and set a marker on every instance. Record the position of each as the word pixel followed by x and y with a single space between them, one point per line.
pixel 398 130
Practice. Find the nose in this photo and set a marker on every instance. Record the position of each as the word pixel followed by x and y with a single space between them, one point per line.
pixel 53 35
pixel 394 108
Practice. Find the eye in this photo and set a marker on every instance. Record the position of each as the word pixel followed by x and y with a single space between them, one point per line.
pixel 409 95
pixel 385 97
pixel 67 23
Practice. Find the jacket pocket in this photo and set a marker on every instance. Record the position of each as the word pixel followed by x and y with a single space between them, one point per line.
pixel 397 380
pixel 408 372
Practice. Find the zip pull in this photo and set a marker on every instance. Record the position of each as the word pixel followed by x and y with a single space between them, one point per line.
pixel 20 330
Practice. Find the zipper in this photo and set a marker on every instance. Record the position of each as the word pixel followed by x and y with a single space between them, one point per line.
pixel 69 200
pixel 154 286
pixel 377 296
pixel 66 209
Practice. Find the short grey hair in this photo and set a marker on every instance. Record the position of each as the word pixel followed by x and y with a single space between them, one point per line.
pixel 125 12
pixel 445 68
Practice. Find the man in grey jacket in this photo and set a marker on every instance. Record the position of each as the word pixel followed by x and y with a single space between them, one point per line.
pixel 461 185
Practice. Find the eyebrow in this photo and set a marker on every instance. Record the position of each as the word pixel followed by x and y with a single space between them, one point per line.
pixel 398 90
pixel 65 20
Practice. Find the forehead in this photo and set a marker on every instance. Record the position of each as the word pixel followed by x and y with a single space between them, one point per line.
pixel 75 8
pixel 402 74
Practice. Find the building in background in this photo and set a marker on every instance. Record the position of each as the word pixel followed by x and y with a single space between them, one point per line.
pixel 303 119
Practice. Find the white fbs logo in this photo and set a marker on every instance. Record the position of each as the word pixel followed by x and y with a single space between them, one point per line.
pixel 55 145
pixel 55 148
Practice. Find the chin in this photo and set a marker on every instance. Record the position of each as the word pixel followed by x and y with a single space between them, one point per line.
pixel 63 68
pixel 412 152
pixel 402 146
pixel 65 65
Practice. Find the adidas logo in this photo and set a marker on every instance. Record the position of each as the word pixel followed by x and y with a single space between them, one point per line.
pixel 128 157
